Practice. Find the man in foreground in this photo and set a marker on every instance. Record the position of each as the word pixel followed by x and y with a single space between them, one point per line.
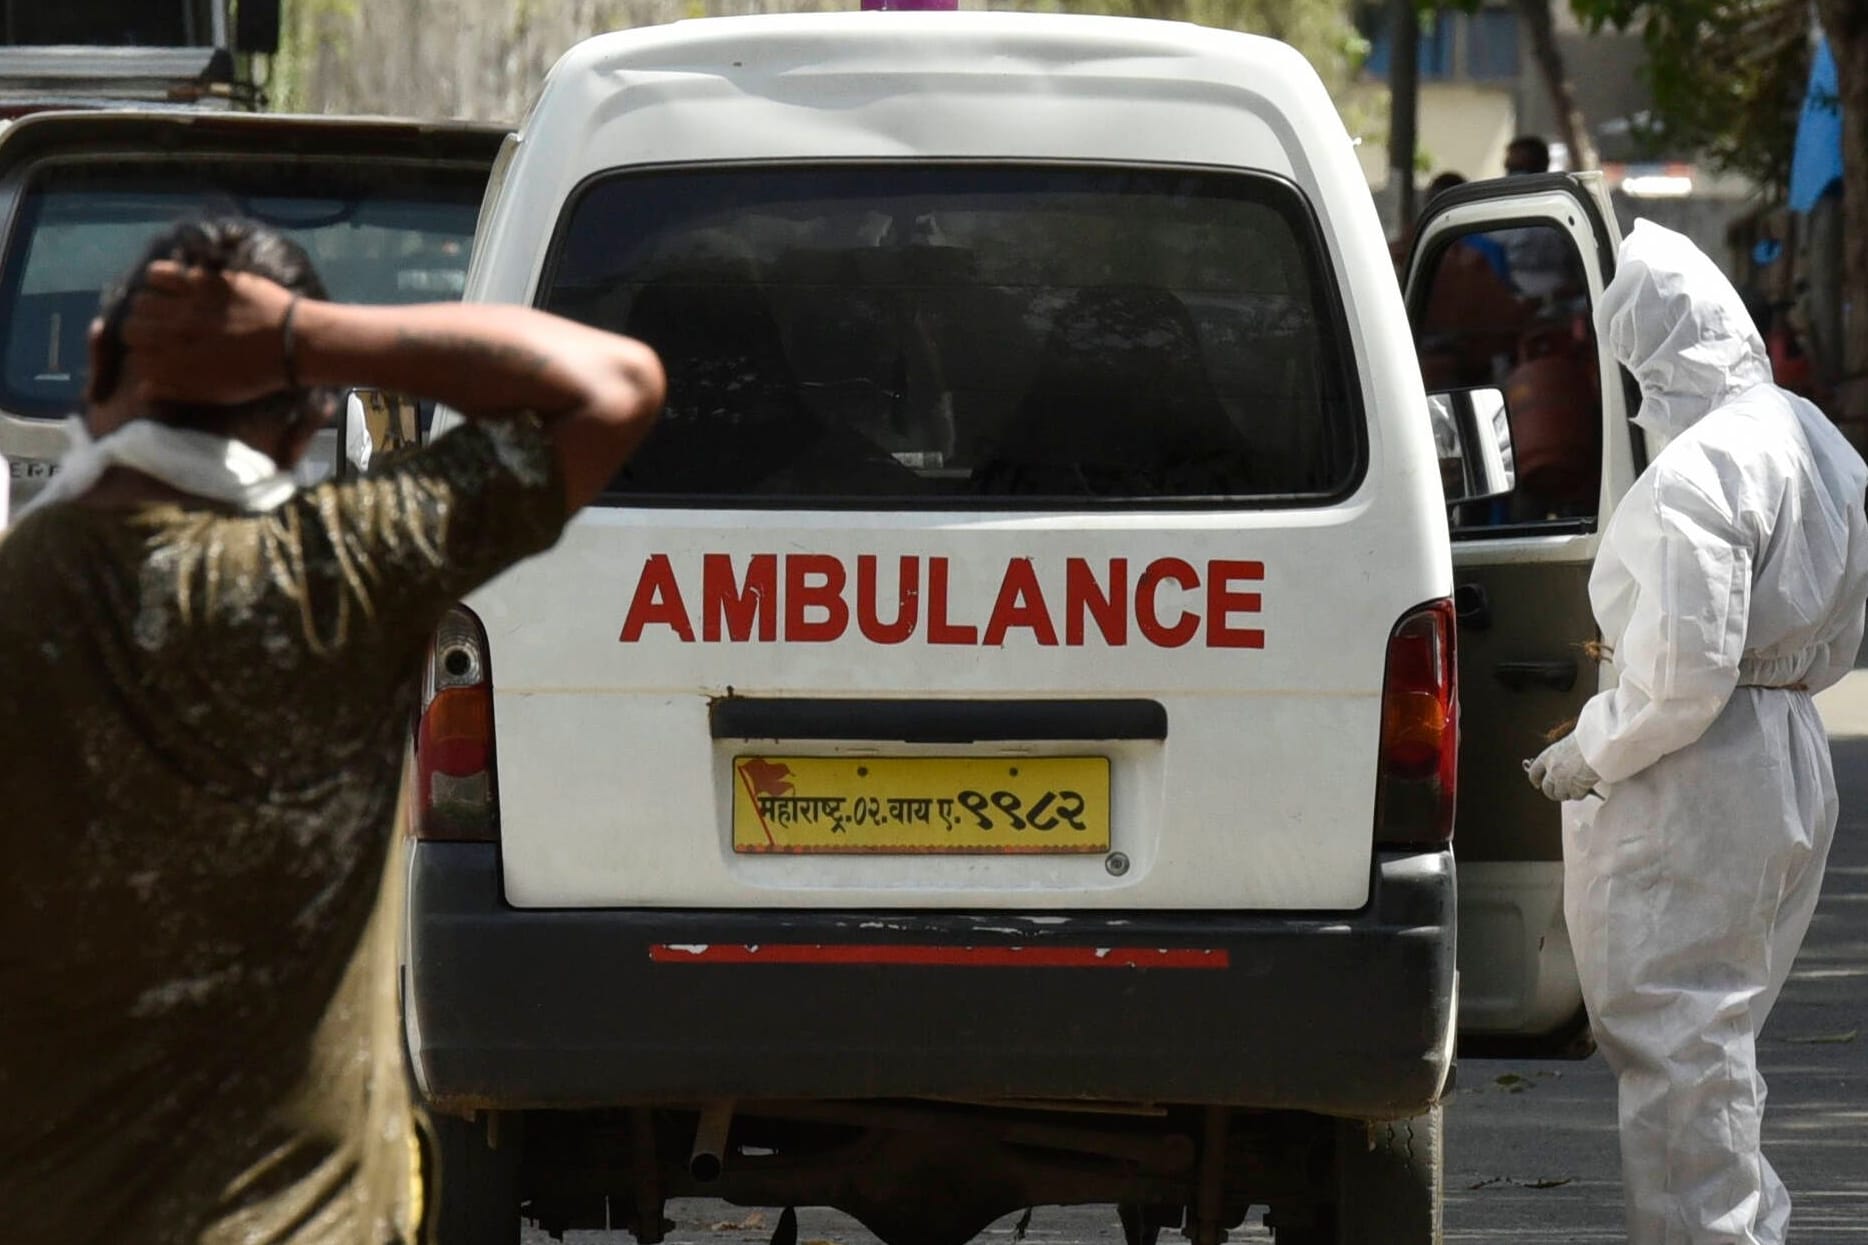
pixel 1729 587
pixel 208 682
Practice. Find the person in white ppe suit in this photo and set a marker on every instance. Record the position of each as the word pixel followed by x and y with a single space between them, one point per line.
pixel 1729 587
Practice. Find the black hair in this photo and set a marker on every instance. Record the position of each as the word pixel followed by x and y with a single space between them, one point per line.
pixel 219 244
pixel 1535 148
pixel 1443 183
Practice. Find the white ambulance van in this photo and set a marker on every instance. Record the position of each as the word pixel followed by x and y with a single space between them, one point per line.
pixel 997 744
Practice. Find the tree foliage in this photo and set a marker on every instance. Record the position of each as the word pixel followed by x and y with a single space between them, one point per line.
pixel 1727 76
pixel 1323 30
pixel 486 58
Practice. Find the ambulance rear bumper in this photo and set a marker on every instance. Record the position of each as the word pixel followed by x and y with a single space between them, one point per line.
pixel 1343 1013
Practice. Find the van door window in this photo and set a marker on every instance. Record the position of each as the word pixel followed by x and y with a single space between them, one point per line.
pixel 1509 308
pixel 971 335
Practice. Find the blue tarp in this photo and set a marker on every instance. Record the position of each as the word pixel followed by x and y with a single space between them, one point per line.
pixel 1816 164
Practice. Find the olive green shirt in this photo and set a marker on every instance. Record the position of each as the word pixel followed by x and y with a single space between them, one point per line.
pixel 203 718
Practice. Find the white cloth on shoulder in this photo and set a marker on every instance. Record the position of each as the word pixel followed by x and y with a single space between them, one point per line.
pixel 220 469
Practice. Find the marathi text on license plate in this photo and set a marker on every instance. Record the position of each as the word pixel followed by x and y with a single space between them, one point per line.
pixel 912 805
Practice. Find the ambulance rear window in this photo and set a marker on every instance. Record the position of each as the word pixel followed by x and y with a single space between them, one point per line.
pixel 955 336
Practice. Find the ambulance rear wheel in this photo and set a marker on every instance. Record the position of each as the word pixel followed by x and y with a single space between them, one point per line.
pixel 1388 1185
pixel 1139 1224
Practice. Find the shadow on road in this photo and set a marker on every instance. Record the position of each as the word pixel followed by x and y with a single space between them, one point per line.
pixel 1531 1148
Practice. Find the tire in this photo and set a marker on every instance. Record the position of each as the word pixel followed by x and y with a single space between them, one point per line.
pixel 1389 1182
pixel 1137 1226
pixel 472 1181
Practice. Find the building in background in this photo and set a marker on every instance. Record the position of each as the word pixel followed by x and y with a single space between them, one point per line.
pixel 191 52
pixel 1480 86
pixel 1472 69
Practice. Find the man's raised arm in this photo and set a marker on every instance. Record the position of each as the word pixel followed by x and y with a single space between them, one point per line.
pixel 223 338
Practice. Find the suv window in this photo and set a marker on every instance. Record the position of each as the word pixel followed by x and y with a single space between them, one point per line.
pixel 145 23
pixel 872 334
pixel 375 234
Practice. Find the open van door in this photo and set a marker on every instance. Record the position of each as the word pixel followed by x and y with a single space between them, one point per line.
pixel 1501 288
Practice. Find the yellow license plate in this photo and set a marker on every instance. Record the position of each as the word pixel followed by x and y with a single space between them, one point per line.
pixel 913 805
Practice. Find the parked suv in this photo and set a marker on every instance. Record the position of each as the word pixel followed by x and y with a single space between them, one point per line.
pixel 997 743
pixel 385 208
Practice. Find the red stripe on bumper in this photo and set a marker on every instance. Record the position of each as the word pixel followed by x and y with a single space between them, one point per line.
pixel 952 957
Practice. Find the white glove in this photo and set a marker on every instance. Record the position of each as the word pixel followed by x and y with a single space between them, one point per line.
pixel 1560 771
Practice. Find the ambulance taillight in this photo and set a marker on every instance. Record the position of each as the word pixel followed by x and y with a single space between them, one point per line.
pixel 455 796
pixel 1420 731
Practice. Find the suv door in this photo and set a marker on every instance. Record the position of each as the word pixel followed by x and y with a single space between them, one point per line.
pixel 1501 286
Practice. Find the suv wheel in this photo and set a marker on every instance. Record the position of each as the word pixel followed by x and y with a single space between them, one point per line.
pixel 1388 1185
pixel 473 1180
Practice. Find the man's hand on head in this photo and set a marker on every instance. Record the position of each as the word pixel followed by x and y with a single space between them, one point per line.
pixel 219 339
pixel 199 336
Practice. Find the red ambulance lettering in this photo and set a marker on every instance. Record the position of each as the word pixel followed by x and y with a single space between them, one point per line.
pixel 657 600
pixel 1020 604
pixel 940 631
pixel 814 581
pixel 1083 596
pixel 1222 601
pixel 907 598
pixel 737 605
pixel 806 598
pixel 1148 620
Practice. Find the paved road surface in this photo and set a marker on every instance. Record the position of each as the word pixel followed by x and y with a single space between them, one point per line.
pixel 1531 1152
pixel 1517 1126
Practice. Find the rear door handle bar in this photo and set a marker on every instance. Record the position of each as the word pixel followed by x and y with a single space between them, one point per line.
pixel 1558 675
